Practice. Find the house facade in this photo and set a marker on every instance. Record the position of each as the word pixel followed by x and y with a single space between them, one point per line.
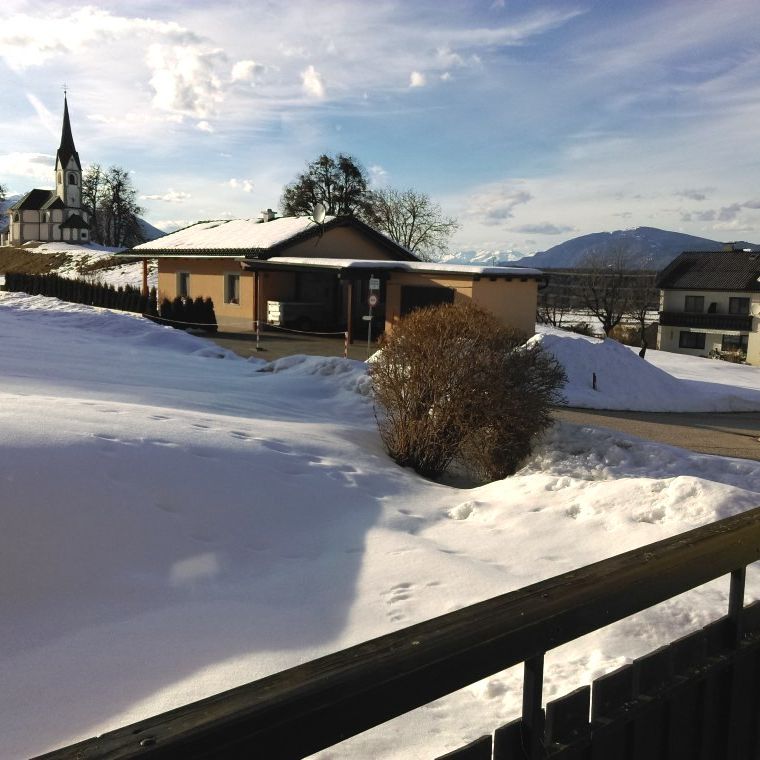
pixel 710 304
pixel 43 215
pixel 292 273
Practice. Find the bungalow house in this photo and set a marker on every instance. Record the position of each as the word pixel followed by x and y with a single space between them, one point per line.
pixel 710 303
pixel 292 272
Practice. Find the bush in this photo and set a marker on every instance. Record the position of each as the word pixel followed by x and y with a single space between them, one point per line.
pixel 582 328
pixel 451 382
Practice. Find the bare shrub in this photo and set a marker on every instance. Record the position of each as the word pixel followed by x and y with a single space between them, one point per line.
pixel 450 382
pixel 582 328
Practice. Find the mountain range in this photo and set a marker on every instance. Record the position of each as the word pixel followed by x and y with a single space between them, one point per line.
pixel 644 247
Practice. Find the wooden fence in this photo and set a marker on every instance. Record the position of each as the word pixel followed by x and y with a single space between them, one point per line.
pixel 696 698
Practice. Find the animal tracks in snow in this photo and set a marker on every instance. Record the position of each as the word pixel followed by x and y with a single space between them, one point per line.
pixel 395 597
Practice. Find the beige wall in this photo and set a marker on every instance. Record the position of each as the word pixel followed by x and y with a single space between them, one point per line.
pixel 512 302
pixel 674 300
pixel 207 280
pixel 339 243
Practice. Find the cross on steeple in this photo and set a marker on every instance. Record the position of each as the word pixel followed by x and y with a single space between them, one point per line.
pixel 65 89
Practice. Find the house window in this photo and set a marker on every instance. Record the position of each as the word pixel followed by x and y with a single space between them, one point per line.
pixel 232 288
pixel 84 233
pixel 691 340
pixel 72 179
pixel 183 284
pixel 738 306
pixel 734 343
pixel 694 304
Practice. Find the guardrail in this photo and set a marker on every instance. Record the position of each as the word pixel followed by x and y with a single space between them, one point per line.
pixel 302 710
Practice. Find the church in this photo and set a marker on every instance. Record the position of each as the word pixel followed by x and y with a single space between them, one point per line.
pixel 53 214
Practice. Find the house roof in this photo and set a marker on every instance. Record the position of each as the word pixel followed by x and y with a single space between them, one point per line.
pixel 712 270
pixel 54 202
pixel 365 266
pixel 34 200
pixel 75 222
pixel 251 238
pixel 66 150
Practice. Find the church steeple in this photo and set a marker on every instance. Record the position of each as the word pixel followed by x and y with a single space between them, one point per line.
pixel 67 150
pixel 68 169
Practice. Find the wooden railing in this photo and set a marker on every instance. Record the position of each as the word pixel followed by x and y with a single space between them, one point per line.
pixel 300 711
pixel 706 320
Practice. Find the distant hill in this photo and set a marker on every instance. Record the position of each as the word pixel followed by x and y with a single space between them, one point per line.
pixel 648 247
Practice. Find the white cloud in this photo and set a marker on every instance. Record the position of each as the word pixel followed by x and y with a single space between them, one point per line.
pixel 51 123
pixel 204 126
pixel 416 79
pixel 496 203
pixel 32 40
pixel 312 83
pixel 171 196
pixel 32 165
pixel 544 228
pixel 185 78
pixel 377 175
pixel 241 184
pixel 246 71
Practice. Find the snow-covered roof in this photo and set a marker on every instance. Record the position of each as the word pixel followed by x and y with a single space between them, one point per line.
pixel 255 239
pixel 420 267
pixel 231 235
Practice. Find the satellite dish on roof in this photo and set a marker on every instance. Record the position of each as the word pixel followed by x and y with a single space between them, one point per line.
pixel 319 212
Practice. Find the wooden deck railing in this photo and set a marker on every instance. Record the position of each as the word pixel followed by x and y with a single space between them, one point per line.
pixel 300 711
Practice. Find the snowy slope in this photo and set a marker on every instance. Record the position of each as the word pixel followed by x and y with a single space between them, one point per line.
pixel 662 382
pixel 481 257
pixel 177 521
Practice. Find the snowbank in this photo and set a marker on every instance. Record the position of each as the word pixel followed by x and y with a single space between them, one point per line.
pixel 177 522
pixel 662 382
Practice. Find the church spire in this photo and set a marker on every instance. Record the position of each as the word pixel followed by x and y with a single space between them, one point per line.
pixel 67 151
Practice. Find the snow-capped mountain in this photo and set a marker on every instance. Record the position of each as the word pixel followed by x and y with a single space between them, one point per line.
pixel 481 257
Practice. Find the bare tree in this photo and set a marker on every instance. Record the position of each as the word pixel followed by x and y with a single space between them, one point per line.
pixel 643 298
pixel 93 190
pixel 553 305
pixel 411 219
pixel 3 191
pixel 605 288
pixel 118 209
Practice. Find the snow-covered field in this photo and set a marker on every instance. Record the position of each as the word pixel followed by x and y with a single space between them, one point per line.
pixel 81 255
pixel 178 521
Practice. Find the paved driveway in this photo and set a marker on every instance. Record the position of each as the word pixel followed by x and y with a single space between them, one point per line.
pixel 731 435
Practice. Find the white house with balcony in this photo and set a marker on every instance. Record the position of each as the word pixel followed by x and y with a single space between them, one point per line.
pixel 710 304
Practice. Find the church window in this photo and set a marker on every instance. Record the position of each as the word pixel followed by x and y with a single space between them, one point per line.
pixel 60 178
pixel 16 217
pixel 72 179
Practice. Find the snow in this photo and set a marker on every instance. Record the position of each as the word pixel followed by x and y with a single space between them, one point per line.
pixel 227 234
pixel 408 266
pixel 178 521
pixel 661 382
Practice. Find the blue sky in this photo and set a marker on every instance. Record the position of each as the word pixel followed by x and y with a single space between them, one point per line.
pixel 531 122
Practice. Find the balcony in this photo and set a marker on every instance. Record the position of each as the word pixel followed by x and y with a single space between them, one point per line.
pixel 718 322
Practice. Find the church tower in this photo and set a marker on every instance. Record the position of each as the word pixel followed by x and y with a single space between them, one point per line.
pixel 68 169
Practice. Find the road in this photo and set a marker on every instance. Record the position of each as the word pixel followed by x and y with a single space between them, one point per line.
pixel 729 435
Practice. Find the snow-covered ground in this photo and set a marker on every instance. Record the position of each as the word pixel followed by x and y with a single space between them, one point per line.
pixel 80 255
pixel 661 382
pixel 178 521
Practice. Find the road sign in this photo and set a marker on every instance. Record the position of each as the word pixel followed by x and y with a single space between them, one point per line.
pixel 374 283
pixel 372 300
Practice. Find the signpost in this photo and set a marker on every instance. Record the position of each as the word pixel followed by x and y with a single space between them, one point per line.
pixel 374 285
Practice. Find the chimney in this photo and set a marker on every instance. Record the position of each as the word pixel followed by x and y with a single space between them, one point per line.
pixel 267 216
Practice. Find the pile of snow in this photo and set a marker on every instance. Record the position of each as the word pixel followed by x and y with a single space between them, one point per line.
pixel 178 521
pixel 661 382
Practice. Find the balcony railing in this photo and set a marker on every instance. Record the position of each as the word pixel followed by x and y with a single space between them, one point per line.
pixel 740 322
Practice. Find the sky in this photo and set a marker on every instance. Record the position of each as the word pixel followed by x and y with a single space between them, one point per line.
pixel 530 122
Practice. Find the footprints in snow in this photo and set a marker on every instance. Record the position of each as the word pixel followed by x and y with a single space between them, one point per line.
pixel 394 599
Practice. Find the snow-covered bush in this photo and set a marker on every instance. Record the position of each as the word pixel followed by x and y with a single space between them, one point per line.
pixel 452 382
